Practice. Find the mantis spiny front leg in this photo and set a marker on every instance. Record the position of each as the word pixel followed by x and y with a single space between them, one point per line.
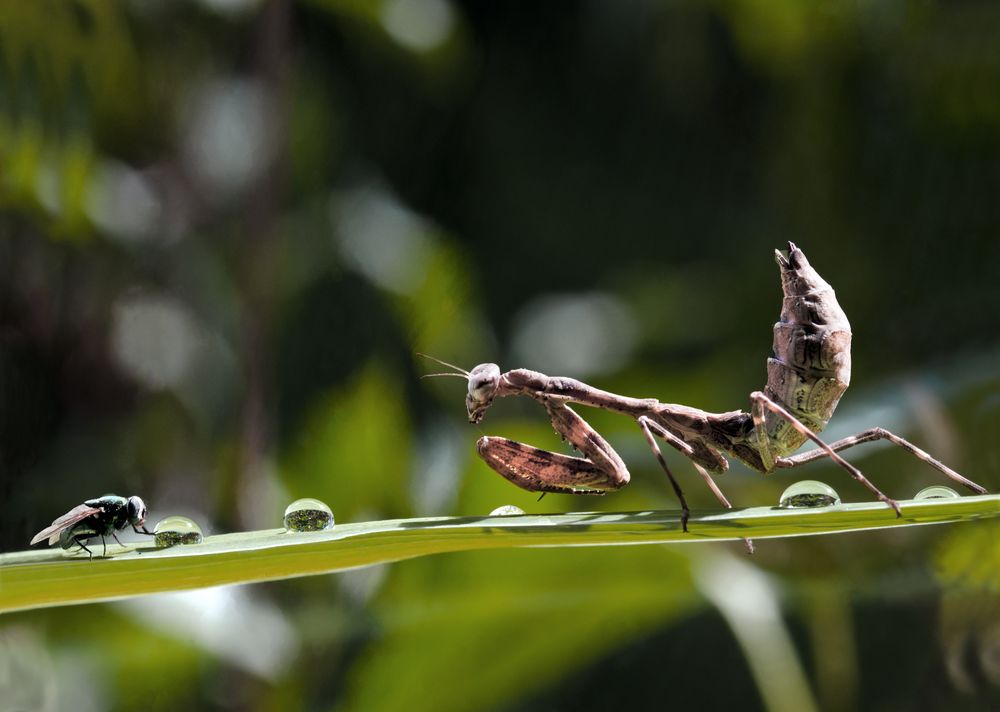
pixel 538 470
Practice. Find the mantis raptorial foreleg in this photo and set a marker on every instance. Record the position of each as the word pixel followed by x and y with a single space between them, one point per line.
pixel 760 402
pixel 537 470
pixel 871 435
pixel 600 470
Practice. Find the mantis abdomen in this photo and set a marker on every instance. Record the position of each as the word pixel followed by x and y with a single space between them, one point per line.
pixel 811 366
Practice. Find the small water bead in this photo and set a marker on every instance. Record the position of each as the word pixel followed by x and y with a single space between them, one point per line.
pixel 308 515
pixel 507 510
pixel 808 493
pixel 177 529
pixel 936 492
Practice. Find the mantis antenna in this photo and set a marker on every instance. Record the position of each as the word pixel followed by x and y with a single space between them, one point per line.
pixel 461 372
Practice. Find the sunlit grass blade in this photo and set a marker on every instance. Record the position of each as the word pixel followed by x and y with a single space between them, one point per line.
pixel 51 577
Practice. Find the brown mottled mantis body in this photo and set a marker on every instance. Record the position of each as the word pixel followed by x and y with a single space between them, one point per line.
pixel 808 373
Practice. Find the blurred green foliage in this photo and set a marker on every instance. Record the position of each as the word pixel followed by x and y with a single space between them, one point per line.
pixel 227 227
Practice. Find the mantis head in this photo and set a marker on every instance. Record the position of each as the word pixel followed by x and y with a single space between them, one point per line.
pixel 484 382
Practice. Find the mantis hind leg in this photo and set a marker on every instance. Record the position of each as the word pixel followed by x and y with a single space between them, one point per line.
pixel 881 434
pixel 600 469
pixel 760 402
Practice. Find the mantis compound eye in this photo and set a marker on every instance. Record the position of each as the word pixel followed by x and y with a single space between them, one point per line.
pixel 484 380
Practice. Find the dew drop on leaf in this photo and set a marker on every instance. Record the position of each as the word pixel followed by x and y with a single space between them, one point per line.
pixel 308 515
pixel 177 529
pixel 507 510
pixel 808 493
pixel 936 492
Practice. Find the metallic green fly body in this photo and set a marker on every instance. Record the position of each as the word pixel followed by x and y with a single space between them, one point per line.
pixel 97 517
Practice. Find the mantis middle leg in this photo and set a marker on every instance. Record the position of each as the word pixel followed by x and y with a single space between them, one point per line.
pixel 651 427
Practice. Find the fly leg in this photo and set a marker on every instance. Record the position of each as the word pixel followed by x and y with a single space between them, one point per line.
pixel 137 530
pixel 880 434
pixel 600 470
pixel 84 547
pixel 760 402
pixel 115 535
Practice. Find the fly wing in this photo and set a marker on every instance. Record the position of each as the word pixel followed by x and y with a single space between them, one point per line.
pixel 52 532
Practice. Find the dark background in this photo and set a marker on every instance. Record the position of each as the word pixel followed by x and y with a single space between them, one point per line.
pixel 226 228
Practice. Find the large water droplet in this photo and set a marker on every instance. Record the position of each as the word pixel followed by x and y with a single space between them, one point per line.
pixel 308 515
pixel 177 529
pixel 936 492
pixel 808 493
pixel 507 510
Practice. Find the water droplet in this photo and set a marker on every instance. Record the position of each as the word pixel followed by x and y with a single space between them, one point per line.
pixel 177 529
pixel 507 510
pixel 936 492
pixel 808 493
pixel 308 515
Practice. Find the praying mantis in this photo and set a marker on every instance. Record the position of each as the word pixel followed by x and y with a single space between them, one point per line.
pixel 806 376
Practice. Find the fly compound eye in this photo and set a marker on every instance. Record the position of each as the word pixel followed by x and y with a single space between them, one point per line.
pixel 483 382
pixel 136 510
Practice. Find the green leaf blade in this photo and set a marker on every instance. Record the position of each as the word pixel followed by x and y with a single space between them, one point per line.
pixel 43 578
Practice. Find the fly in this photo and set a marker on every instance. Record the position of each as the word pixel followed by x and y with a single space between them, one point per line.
pixel 96 518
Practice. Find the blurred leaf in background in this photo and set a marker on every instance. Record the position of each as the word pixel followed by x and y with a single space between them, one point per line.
pixel 228 226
